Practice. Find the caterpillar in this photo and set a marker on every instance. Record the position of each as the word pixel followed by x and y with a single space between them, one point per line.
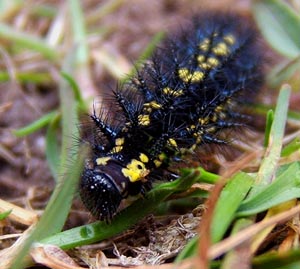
pixel 186 95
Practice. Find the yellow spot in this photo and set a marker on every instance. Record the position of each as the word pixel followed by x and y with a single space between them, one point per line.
pixel 119 141
pixel 229 39
pixel 204 66
pixel 116 149
pixel 162 156
pixel 144 158
pixel 175 93
pixel 214 118
pixel 172 142
pixel 157 163
pixel 200 58
pixel 198 140
pixel 210 63
pixel 219 109
pixel 211 130
pixel 213 62
pixel 135 171
pixel 187 76
pixel 204 45
pixel 155 105
pixel 152 105
pixel 102 160
pixel 193 147
pixel 203 121
pixel 192 127
pixel 144 120
pixel 220 49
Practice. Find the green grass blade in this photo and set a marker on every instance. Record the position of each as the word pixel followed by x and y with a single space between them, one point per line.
pixel 283 72
pixel 56 211
pixel 101 230
pixel 273 152
pixel 28 41
pixel 269 121
pixel 52 147
pixel 36 125
pixel 4 215
pixel 233 256
pixel 287 260
pixel 291 147
pixel 28 77
pixel 286 187
pixel 280 25
pixel 79 32
pixel 189 250
pixel 229 201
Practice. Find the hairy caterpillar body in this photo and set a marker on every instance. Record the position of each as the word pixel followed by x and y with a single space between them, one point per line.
pixel 190 90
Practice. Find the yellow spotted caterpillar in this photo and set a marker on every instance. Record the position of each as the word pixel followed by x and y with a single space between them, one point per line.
pixel 190 90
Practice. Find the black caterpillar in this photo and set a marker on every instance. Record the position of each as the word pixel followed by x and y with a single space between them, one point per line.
pixel 190 90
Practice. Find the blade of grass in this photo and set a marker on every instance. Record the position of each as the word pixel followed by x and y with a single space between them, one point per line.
pixel 287 260
pixel 98 231
pixel 284 188
pixel 52 147
pixel 4 215
pixel 27 40
pixel 269 121
pixel 55 213
pixel 106 8
pixel 38 78
pixel 76 91
pixel 79 32
pixel 273 152
pixel 280 25
pixel 36 125
pixel 233 257
pixel 229 201
pixel 189 250
pixel 283 72
pixel 291 147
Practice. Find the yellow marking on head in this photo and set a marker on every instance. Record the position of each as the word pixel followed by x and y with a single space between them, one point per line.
pixel 220 49
pixel 204 45
pixel 157 163
pixel 102 160
pixel 144 158
pixel 229 39
pixel 172 142
pixel 135 171
pixel 187 76
pixel 144 120
pixel 119 141
pixel 175 93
